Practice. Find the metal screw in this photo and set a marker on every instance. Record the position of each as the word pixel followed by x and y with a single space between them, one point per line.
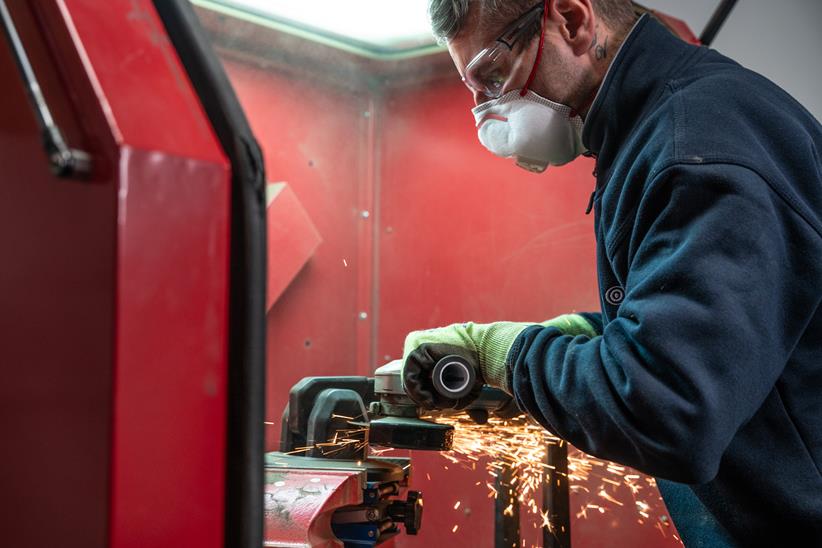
pixel 363 315
pixel 367 114
pixel 365 214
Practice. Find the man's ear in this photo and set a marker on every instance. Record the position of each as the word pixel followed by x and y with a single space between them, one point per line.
pixel 576 23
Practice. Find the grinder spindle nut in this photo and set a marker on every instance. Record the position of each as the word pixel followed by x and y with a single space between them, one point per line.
pixel 454 377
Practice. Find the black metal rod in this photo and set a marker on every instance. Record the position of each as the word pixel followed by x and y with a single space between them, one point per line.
pixel 506 511
pixel 717 20
pixel 556 497
pixel 64 160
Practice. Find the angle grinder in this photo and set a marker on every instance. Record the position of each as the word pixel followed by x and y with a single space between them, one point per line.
pixel 396 418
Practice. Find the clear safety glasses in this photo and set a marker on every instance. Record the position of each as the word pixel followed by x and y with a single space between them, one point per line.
pixel 491 68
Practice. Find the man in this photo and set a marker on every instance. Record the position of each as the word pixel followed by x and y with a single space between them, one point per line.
pixel 704 367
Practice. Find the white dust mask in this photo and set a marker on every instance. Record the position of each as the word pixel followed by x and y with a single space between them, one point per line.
pixel 534 131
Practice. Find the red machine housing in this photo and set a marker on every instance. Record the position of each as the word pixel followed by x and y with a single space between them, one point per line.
pixel 114 307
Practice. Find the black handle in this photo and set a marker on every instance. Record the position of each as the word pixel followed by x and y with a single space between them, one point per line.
pixel 717 20
pixel 65 161
pixel 408 512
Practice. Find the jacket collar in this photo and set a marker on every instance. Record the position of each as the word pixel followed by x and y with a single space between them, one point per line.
pixel 647 59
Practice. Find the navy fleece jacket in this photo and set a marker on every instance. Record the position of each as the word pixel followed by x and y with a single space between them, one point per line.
pixel 708 371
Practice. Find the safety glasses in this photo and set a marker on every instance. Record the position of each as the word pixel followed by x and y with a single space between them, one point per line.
pixel 491 68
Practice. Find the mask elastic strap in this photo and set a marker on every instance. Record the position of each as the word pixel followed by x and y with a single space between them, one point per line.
pixel 539 51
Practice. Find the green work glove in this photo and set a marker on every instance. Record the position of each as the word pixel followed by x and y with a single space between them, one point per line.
pixel 484 346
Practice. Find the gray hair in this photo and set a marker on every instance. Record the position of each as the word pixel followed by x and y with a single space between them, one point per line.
pixel 448 17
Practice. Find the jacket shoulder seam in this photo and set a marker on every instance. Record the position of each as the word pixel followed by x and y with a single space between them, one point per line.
pixel 786 197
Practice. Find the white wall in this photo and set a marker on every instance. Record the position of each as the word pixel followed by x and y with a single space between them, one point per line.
pixel 780 39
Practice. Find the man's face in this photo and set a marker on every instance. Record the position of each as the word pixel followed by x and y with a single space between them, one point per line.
pixel 561 70
pixel 468 43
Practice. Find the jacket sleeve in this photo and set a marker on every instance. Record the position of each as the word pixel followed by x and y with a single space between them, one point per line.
pixel 595 319
pixel 702 334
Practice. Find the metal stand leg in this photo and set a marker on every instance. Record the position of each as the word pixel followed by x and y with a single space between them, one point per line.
pixel 506 512
pixel 556 498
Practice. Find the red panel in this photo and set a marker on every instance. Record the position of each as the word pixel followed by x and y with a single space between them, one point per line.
pixel 146 95
pixel 292 239
pixel 56 330
pixel 170 380
pixel 312 137
pixel 170 386
pixel 118 313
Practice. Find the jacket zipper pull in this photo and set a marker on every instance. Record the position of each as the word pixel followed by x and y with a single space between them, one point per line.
pixel 590 203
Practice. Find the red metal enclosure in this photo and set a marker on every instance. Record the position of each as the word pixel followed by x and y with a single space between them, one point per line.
pixel 113 309
pixel 420 227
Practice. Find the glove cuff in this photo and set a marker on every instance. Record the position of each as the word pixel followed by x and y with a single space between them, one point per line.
pixel 572 324
pixel 493 348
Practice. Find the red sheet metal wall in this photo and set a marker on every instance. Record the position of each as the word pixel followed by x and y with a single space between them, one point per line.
pixel 421 227
pixel 313 139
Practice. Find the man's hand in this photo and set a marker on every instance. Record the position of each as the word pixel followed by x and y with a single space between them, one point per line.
pixel 485 346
